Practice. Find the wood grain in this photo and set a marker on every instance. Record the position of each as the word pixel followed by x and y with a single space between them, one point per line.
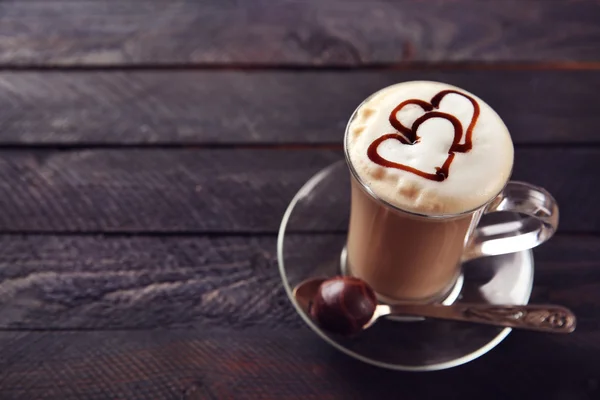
pixel 73 282
pixel 64 32
pixel 119 243
pixel 284 364
pixel 152 190
pixel 229 107
pixel 242 190
pixel 115 282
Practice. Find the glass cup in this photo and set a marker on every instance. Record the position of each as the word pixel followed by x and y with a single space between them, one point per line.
pixel 411 257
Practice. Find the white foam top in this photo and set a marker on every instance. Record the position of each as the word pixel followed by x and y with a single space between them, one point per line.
pixel 474 176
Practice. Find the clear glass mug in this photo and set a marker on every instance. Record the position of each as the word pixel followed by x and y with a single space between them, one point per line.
pixel 418 258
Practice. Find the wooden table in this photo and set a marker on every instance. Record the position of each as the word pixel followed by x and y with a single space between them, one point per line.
pixel 148 150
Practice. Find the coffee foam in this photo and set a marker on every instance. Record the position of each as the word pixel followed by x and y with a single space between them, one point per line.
pixel 474 176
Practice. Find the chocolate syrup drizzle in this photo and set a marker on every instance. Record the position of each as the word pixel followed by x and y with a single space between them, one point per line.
pixel 409 135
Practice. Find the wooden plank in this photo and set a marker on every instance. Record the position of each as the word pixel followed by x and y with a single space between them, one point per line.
pixel 278 364
pixel 64 32
pixel 232 107
pixel 241 190
pixel 98 282
pixel 152 190
pixel 74 282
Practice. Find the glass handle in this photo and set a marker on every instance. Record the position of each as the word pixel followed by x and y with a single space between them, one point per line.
pixel 539 222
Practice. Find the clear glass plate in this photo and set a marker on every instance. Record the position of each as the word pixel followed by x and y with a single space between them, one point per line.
pixel 311 240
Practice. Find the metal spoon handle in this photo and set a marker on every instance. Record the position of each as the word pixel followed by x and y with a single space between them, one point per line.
pixel 545 318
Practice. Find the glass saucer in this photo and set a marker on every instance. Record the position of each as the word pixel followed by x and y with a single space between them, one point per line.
pixel 311 242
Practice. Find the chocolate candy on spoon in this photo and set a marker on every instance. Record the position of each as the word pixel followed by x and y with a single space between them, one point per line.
pixel 343 305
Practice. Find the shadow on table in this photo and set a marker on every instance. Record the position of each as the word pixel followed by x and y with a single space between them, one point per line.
pixel 527 365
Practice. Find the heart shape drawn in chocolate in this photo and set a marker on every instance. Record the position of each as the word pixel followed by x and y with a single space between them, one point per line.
pixel 409 136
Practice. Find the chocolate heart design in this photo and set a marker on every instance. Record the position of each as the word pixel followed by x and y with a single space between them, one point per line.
pixel 409 135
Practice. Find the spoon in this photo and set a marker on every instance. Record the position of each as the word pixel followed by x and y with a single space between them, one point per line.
pixel 347 305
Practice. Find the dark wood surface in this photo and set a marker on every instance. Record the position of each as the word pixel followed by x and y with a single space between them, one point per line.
pixel 222 190
pixel 148 150
pixel 294 32
pixel 272 364
pixel 84 108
